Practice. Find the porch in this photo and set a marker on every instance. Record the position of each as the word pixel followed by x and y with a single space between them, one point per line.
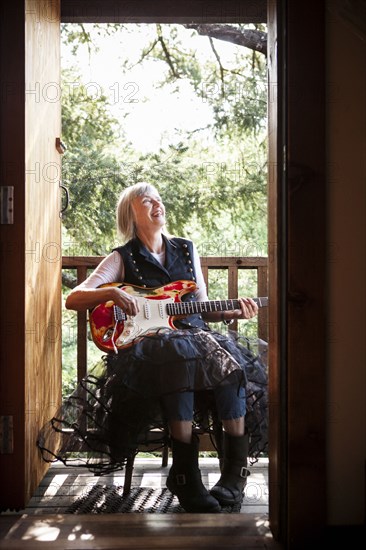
pixel 53 516
pixel 66 490
pixel 229 271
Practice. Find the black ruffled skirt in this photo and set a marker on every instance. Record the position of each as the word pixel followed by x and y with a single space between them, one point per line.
pixel 111 413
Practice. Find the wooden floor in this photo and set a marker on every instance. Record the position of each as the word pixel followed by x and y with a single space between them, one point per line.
pixel 44 524
pixel 62 485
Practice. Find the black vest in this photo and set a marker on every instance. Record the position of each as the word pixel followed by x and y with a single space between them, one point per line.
pixel 142 269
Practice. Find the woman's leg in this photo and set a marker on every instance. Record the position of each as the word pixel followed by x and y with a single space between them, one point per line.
pixel 231 407
pixel 184 479
pixel 235 426
pixel 230 404
pixel 178 409
pixel 181 430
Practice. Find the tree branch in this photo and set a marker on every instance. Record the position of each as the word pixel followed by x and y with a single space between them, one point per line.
pixel 220 65
pixel 144 54
pixel 249 38
pixel 166 52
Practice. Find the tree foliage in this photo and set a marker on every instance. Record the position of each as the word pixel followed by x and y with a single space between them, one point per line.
pixel 212 186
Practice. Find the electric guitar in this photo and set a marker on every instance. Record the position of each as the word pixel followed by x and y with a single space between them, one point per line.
pixel 112 329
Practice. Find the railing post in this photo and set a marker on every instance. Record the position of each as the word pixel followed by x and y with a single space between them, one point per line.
pixel 82 336
pixel 262 285
pixel 233 289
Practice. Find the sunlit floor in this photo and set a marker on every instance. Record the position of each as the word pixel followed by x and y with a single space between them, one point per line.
pixel 62 485
pixel 44 523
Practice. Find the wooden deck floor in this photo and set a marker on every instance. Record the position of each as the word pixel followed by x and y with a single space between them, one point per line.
pixel 43 523
pixel 62 485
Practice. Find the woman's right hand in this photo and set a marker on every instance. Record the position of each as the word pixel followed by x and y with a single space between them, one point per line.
pixel 127 302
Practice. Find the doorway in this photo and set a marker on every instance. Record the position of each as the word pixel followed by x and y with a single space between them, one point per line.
pixel 296 294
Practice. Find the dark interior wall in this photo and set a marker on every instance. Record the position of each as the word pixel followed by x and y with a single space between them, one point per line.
pixel 346 262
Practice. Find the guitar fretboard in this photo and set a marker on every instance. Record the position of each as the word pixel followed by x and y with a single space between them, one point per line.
pixel 184 308
pixel 189 308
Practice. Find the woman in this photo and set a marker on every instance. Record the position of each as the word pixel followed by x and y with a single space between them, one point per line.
pixel 167 367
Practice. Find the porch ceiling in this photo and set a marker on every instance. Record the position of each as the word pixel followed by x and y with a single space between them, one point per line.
pixel 164 11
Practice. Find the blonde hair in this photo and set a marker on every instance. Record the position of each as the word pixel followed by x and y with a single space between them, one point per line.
pixel 125 224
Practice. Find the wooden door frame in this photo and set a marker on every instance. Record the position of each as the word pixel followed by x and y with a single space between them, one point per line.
pixel 297 272
pixel 304 222
pixel 30 283
pixel 12 259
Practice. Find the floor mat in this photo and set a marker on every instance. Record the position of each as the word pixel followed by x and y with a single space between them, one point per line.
pixel 106 499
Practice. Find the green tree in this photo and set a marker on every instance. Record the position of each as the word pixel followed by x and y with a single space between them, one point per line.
pixel 197 180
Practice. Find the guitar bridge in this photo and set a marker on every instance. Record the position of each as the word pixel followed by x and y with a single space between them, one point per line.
pixel 118 314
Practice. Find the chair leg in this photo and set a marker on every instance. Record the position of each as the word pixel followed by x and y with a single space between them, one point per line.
pixel 165 455
pixel 128 475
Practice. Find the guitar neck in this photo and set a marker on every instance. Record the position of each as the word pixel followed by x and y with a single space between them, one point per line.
pixel 186 308
pixel 189 308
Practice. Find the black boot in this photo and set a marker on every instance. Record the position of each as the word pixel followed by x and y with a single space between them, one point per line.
pixel 184 479
pixel 229 489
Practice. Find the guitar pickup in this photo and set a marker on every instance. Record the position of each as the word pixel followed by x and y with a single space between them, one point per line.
pixel 147 310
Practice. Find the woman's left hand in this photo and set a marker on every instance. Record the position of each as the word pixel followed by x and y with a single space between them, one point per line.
pixel 248 310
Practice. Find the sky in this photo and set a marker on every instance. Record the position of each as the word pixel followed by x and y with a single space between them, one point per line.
pixel 154 114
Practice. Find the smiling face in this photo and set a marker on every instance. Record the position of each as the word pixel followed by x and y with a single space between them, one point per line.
pixel 148 211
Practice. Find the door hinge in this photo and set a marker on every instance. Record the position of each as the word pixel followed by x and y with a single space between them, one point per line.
pixel 6 435
pixel 6 204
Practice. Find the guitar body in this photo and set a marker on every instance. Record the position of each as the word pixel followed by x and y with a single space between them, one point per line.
pixel 112 330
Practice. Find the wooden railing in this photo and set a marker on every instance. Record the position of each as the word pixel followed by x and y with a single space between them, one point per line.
pixel 230 264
